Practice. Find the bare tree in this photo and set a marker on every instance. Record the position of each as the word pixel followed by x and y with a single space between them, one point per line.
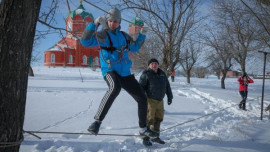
pixel 214 66
pixel 46 17
pixel 260 10
pixel 171 21
pixel 239 27
pixel 17 31
pixel 189 57
pixel 200 72
pixel 220 59
pixel 150 49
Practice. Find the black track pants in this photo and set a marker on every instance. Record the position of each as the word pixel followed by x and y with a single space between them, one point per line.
pixel 115 82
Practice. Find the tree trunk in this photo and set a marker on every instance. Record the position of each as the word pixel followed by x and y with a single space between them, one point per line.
pixel 188 76
pixel 243 67
pixel 31 72
pixel 165 60
pixel 223 81
pixel 17 31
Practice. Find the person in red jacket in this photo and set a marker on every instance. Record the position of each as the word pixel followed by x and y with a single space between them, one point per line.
pixel 172 75
pixel 243 89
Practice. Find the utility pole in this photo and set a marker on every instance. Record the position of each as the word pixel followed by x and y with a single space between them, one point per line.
pixel 264 64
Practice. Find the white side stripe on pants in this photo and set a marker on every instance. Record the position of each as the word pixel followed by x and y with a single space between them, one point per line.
pixel 107 95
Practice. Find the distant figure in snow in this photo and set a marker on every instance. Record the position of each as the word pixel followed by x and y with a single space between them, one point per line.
pixel 172 75
pixel 244 80
pixel 268 108
pixel 115 66
pixel 155 83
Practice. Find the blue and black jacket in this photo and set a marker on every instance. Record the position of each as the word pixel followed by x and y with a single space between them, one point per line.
pixel 116 39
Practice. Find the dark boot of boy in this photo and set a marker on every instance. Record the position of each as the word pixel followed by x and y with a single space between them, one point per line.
pixel 147 142
pixel 148 133
pixel 158 140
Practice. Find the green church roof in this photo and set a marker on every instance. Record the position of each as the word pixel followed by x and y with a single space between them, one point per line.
pixel 136 21
pixel 80 11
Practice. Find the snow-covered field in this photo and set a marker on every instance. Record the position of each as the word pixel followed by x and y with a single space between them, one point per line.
pixel 66 99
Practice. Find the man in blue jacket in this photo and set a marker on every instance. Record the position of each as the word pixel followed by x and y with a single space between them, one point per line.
pixel 115 66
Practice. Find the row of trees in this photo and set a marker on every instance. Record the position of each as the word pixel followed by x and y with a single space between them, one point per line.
pixel 182 37
pixel 171 23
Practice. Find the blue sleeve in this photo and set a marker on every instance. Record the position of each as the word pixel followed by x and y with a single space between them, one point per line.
pixel 136 45
pixel 88 37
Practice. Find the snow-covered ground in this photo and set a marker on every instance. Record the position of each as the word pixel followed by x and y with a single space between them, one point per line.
pixel 66 99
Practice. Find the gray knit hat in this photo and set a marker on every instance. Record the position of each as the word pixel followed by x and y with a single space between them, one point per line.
pixel 114 14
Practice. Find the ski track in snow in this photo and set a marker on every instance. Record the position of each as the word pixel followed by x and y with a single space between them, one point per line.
pixel 68 118
pixel 67 136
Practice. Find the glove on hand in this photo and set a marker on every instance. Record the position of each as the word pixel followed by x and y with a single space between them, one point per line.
pixel 169 101
pixel 144 30
pixel 100 20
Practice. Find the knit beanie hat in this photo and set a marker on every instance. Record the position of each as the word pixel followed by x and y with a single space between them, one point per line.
pixel 114 14
pixel 153 60
pixel 244 75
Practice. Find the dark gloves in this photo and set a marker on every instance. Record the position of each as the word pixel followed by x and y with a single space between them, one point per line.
pixel 169 101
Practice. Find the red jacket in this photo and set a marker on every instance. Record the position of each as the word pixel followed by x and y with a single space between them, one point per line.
pixel 242 86
pixel 173 73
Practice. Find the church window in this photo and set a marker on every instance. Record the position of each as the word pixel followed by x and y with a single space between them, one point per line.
pixel 69 26
pixel 84 59
pixel 70 59
pixel 52 58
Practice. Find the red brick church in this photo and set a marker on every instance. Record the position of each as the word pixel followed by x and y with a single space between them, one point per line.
pixel 69 52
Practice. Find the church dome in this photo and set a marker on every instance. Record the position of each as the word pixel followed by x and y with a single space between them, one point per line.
pixel 136 22
pixel 80 11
